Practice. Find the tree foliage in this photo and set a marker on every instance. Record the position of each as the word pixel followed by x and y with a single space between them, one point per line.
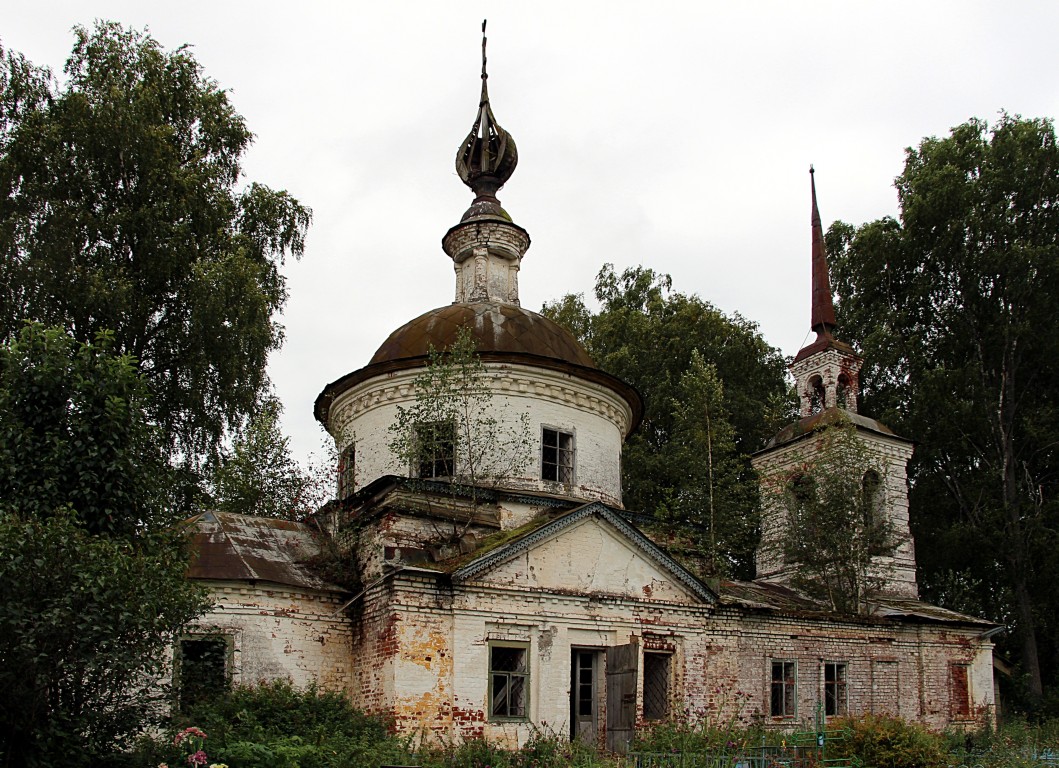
pixel 72 435
pixel 258 475
pixel 93 571
pixel 954 307
pixel 453 429
pixel 837 533
pixel 649 335
pixel 121 209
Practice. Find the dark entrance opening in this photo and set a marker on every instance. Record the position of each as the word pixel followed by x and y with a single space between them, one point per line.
pixel 584 695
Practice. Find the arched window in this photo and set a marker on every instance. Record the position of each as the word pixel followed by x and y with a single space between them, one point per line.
pixel 845 389
pixel 802 492
pixel 871 498
pixel 815 394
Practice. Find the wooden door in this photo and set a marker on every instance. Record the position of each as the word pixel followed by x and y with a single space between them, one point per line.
pixel 621 695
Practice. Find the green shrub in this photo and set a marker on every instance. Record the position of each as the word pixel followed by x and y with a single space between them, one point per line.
pixel 699 735
pixel 1014 745
pixel 275 725
pixel 881 741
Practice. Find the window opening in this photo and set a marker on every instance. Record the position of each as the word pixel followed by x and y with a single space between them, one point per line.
pixel 870 497
pixel 784 689
pixel 802 490
pixel 203 669
pixel 655 686
pixel 436 447
pixel 557 456
pixel 816 394
pixel 346 469
pixel 835 698
pixel 843 391
pixel 508 681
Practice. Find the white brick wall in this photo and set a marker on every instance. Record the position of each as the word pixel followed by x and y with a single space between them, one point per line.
pixel 281 633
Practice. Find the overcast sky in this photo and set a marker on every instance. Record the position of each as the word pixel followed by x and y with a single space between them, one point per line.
pixel 676 135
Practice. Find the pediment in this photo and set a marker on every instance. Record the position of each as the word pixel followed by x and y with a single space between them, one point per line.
pixel 590 551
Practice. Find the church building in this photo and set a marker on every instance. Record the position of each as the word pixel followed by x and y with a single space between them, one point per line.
pixel 503 587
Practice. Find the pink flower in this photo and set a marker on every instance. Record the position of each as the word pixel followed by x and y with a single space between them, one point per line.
pixel 191 731
pixel 199 758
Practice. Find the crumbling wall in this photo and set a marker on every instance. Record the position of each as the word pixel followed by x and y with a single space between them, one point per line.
pixel 279 632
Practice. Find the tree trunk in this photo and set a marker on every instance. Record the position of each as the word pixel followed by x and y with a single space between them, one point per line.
pixel 1017 544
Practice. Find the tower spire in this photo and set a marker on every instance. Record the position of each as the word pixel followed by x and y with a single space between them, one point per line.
pixel 823 316
pixel 826 370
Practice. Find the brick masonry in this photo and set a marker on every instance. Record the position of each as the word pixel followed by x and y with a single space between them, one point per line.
pixel 422 646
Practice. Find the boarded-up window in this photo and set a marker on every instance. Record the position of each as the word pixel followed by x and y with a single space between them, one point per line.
pixel 508 681
pixel 202 668
pixel 960 692
pixel 784 698
pixel 835 698
pixel 885 688
pixel 655 686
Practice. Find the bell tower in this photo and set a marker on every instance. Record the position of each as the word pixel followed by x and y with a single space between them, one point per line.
pixel 827 379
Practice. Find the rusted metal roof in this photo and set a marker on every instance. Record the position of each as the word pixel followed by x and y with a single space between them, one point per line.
pixel 501 332
pixel 230 547
pixel 493 327
pixel 768 596
pixel 826 417
pixel 823 342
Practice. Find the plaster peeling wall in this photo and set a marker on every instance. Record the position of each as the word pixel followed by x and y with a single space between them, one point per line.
pixel 591 559
pixel 281 633
pixel 720 661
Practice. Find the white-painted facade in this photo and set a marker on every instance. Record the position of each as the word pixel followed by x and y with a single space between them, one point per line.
pixel 523 400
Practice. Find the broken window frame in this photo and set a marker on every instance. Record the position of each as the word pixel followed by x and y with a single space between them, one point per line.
pixel 347 464
pixel 204 688
pixel 435 449
pixel 558 455
pixel 656 705
pixel 783 689
pixel 508 683
pixel 836 688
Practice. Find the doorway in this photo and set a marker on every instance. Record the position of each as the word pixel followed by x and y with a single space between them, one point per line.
pixel 584 695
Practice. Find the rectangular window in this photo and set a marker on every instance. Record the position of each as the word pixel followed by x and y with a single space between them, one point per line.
pixel 655 686
pixel 202 669
pixel 961 691
pixel 508 682
pixel 346 469
pixel 784 689
pixel 557 456
pixel 836 702
pixel 436 446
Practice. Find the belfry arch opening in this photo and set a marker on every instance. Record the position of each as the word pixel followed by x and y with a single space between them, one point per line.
pixel 816 394
pixel 843 392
